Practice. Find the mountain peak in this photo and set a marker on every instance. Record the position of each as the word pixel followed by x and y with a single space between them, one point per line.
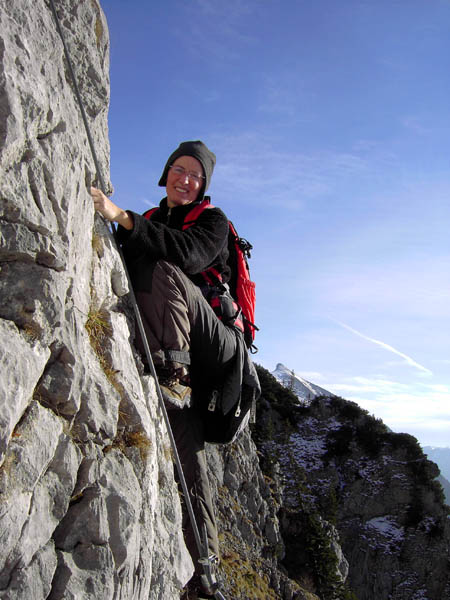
pixel 303 389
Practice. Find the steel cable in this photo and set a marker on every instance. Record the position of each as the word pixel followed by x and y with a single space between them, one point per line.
pixel 202 547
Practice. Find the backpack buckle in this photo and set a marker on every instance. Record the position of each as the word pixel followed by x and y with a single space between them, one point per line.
pixel 213 401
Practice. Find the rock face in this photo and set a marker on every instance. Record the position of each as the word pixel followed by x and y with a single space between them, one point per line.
pixel 249 529
pixel 89 508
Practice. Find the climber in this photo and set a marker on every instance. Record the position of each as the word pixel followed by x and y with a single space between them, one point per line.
pixel 192 348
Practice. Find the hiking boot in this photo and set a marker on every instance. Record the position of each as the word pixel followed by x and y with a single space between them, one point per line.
pixel 204 596
pixel 196 595
pixel 172 373
pixel 174 383
pixel 177 396
pixel 196 591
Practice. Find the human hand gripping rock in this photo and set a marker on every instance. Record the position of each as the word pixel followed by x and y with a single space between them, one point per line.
pixel 109 210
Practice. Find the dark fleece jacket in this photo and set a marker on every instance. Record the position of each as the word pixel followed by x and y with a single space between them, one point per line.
pixel 201 246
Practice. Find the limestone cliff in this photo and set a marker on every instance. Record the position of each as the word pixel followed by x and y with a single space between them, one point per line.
pixel 89 507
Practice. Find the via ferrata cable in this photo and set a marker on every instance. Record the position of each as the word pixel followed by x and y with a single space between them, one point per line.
pixel 202 545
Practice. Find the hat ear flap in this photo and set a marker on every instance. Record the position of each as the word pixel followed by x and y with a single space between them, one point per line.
pixel 172 158
pixel 163 179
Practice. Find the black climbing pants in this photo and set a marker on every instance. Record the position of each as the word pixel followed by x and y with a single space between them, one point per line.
pixel 187 429
pixel 181 326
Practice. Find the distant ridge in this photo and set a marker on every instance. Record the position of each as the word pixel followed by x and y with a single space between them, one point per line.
pixel 441 456
pixel 303 389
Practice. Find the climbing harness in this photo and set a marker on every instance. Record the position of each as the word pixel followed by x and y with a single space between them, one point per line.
pixel 206 560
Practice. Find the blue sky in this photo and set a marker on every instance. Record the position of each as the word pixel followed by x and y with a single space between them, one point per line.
pixel 331 127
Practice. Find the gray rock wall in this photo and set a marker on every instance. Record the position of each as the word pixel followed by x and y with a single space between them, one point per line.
pixel 88 503
pixel 249 531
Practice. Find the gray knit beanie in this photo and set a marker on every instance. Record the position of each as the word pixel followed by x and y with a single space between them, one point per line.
pixel 199 151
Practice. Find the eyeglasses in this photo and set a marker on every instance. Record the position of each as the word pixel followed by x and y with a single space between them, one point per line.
pixel 180 171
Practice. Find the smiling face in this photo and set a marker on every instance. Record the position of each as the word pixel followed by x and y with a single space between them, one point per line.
pixel 183 188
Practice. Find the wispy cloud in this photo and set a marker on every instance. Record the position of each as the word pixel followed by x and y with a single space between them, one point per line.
pixel 223 23
pixel 255 166
pixel 416 125
pixel 232 10
pixel 361 276
pixel 370 385
pixel 312 376
pixel 399 404
pixel 285 97
pixel 387 347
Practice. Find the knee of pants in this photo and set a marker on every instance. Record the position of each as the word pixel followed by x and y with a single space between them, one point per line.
pixel 168 279
pixel 164 269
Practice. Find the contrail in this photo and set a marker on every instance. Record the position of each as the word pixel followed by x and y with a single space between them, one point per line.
pixel 408 359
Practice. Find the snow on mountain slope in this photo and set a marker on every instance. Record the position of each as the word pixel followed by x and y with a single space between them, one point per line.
pixel 305 390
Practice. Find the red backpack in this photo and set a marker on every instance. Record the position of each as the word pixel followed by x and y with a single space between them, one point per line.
pixel 242 288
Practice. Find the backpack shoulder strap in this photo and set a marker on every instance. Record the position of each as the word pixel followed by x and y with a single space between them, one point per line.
pixel 191 216
pixel 194 214
pixel 148 213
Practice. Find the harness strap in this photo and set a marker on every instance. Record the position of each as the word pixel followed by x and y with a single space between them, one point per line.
pixel 197 210
pixel 180 356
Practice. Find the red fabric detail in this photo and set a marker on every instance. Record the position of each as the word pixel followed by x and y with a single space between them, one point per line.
pixel 215 305
pixel 215 273
pixel 246 298
pixel 239 324
pixel 149 212
pixel 207 278
pixel 245 288
pixel 194 214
